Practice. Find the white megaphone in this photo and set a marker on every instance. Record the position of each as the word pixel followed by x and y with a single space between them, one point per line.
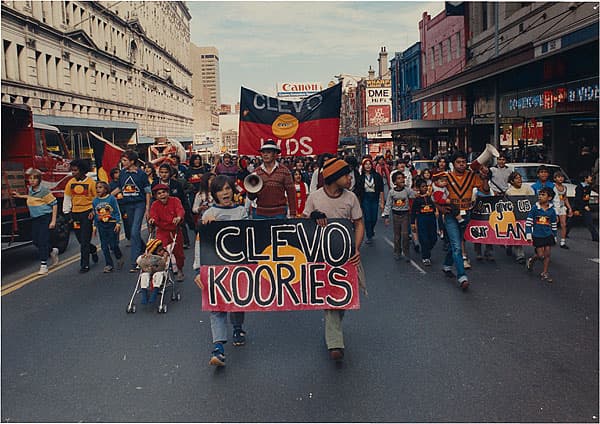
pixel 489 152
pixel 253 183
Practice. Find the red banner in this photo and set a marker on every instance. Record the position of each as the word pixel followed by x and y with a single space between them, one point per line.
pixel 306 127
pixel 277 265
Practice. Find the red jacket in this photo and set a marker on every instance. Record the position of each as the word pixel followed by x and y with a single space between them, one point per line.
pixel 163 215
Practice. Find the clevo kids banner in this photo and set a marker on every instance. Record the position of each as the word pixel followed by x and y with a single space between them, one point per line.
pixel 499 220
pixel 306 127
pixel 277 265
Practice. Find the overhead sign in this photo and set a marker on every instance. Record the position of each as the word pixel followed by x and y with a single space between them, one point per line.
pixel 278 265
pixel 307 127
pixel 298 89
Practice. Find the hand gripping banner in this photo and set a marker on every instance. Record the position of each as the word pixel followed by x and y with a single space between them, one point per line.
pixel 277 265
pixel 307 127
pixel 499 220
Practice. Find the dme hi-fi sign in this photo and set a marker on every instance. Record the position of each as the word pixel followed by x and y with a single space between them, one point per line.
pixel 298 89
pixel 278 265
pixel 379 92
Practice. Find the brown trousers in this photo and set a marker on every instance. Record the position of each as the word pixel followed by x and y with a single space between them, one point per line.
pixel 401 223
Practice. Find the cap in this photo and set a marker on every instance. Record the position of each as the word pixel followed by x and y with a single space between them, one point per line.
pixel 270 144
pixel 365 160
pixel 153 245
pixel 160 187
pixel 333 169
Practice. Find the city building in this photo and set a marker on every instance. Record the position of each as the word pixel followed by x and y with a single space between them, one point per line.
pixel 405 72
pixel 208 58
pixel 120 69
pixel 206 89
pixel 531 79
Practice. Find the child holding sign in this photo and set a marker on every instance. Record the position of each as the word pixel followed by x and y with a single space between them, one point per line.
pixel 224 209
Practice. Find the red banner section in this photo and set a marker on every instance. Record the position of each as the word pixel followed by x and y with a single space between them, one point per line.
pixel 499 220
pixel 279 286
pixel 278 265
pixel 306 127
pixel 301 144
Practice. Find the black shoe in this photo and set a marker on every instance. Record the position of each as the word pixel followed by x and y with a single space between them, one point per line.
pixel 239 337
pixel 186 246
pixel 448 273
pixel 84 269
pixel 564 246
pixel 336 354
pixel 95 257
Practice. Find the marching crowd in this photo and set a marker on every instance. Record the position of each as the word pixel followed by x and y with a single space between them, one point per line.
pixel 173 198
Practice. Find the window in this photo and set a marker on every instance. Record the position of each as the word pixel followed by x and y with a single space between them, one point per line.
pixel 39 147
pixel 458 46
pixel 450 105
pixel 449 51
pixel 440 55
pixel 433 57
pixel 433 108
pixel 484 16
pixel 442 107
pixel 459 103
pixel 53 144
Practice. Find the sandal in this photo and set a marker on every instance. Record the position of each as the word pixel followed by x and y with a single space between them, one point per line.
pixel 546 277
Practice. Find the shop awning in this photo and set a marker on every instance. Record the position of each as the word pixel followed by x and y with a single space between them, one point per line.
pixel 67 121
pixel 413 124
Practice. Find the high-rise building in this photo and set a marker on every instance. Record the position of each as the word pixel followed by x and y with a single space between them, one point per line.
pixel 117 67
pixel 207 60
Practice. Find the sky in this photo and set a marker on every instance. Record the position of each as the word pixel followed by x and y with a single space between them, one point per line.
pixel 263 43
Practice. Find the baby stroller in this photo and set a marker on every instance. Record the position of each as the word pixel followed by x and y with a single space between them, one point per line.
pixel 168 281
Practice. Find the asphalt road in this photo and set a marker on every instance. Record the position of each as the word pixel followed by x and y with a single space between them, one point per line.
pixel 510 349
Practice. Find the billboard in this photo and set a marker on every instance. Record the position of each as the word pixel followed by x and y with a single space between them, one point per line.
pixel 379 102
pixel 298 89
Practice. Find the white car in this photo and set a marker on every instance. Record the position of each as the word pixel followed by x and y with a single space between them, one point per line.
pixel 529 173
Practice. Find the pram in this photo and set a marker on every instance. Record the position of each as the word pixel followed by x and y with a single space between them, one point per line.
pixel 168 281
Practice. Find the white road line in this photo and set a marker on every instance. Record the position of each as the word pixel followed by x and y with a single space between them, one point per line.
pixel 413 263
pixel 595 260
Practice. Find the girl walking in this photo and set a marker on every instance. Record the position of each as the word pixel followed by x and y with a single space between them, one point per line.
pixel 541 227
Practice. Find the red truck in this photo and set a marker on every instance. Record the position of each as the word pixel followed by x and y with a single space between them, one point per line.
pixel 26 144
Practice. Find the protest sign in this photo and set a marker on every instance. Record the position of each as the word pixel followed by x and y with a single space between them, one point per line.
pixel 499 220
pixel 268 265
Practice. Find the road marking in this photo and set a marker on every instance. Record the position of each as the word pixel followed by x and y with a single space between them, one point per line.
pixel 21 282
pixel 413 263
pixel 595 260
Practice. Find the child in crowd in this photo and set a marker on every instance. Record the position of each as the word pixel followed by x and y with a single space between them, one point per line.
pixel 153 264
pixel 563 207
pixel 423 220
pixel 167 213
pixel 107 219
pixel 80 191
pixel 488 252
pixel 398 203
pixel 541 226
pixel 582 203
pixel 203 199
pixel 441 195
pixel 543 175
pixel 224 209
pixel 516 188
pixel 43 208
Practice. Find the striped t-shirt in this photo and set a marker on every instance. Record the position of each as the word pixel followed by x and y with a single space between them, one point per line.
pixel 40 202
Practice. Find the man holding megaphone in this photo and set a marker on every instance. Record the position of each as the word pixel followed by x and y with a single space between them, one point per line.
pixel 461 182
pixel 269 185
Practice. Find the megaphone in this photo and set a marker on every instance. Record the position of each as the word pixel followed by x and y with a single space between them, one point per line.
pixel 253 183
pixel 489 152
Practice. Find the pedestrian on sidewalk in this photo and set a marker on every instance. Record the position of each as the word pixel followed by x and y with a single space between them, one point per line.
pixel 397 204
pixel 43 209
pixel 107 219
pixel 582 203
pixel 334 200
pixel 80 192
pixel 541 227
pixel 225 209
pixel 423 220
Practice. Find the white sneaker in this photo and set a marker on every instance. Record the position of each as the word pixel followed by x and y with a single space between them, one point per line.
pixel 43 270
pixel 466 263
pixel 54 257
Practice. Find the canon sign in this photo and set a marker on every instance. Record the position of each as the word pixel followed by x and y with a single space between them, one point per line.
pixel 298 89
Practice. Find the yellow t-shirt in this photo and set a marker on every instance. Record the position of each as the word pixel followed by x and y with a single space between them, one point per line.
pixel 82 193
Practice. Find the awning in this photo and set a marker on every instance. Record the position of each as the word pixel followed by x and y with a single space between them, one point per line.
pixel 414 124
pixel 67 121
pixel 145 140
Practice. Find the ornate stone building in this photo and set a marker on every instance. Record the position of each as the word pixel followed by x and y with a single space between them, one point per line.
pixel 121 67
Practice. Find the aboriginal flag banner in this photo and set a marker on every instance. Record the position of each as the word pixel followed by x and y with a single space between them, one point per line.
pixel 499 220
pixel 106 154
pixel 277 265
pixel 306 127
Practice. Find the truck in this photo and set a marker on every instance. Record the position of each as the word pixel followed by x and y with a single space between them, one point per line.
pixel 27 144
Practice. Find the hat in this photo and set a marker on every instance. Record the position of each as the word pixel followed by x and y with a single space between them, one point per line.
pixel 160 187
pixel 226 155
pixel 153 245
pixel 270 144
pixel 333 169
pixel 365 160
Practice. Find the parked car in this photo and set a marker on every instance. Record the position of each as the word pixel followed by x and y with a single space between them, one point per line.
pixel 529 173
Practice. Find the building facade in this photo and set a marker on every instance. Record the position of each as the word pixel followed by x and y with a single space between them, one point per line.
pixel 121 68
pixel 405 74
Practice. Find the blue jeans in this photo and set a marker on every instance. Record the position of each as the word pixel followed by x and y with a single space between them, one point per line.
pixel 135 216
pixel 109 240
pixel 455 233
pixel 218 324
pixel 40 234
pixel 257 216
pixel 427 230
pixel 370 207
